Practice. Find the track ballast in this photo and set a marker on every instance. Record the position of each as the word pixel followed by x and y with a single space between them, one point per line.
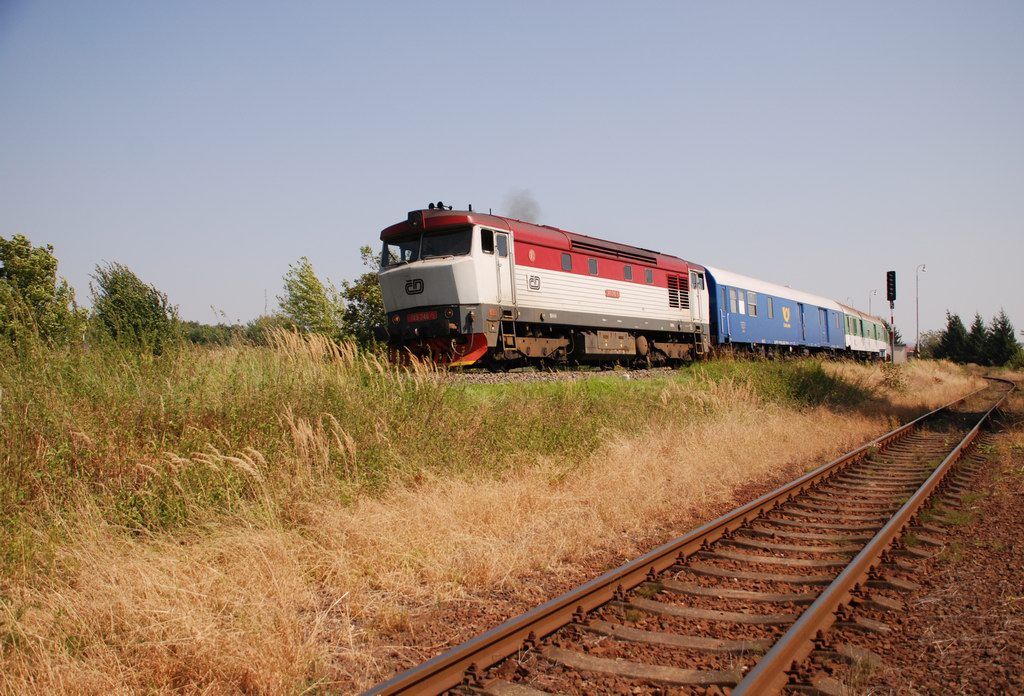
pixel 738 604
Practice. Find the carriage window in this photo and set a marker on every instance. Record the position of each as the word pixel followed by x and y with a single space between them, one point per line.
pixel 771 308
pixel 837 320
pixel 627 272
pixel 592 266
pixel 649 276
pixel 732 300
pixel 487 241
pixel 566 262
pixel 503 245
pixel 752 303
pixel 742 300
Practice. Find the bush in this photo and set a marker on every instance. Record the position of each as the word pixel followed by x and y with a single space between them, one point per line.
pixel 1017 361
pixel 33 300
pixel 136 315
pixel 309 304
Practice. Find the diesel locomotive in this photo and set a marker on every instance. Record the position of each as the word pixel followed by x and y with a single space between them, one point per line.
pixel 466 288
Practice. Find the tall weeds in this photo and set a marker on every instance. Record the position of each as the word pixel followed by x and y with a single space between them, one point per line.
pixel 270 519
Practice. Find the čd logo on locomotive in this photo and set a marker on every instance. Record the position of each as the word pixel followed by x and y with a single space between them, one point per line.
pixel 413 286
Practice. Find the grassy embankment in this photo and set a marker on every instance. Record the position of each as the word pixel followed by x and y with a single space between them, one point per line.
pixel 277 519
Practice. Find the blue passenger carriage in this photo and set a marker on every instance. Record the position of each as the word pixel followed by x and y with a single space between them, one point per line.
pixel 755 314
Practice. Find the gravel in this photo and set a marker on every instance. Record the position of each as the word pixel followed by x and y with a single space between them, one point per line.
pixel 561 375
pixel 964 632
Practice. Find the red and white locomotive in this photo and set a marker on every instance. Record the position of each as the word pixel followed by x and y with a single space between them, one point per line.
pixel 464 287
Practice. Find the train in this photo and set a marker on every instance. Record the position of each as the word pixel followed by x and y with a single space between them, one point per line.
pixel 465 288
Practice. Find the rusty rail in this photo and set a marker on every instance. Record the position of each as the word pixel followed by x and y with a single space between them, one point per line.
pixel 465 663
pixel 771 673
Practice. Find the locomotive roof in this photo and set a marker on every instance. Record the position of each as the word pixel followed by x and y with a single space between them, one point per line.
pixel 528 232
pixel 736 280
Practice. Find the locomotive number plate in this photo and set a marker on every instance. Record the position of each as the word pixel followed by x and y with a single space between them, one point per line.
pixel 414 317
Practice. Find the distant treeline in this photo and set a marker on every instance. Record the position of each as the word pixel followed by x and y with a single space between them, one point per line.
pixel 994 344
pixel 37 305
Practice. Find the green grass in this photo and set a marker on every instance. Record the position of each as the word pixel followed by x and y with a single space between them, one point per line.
pixel 953 553
pixel 956 518
pixel 155 443
pixel 648 590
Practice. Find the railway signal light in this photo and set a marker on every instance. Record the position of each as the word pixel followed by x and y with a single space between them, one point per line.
pixel 890 286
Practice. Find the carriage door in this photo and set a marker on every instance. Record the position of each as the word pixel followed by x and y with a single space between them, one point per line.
pixel 803 324
pixel 503 259
pixel 698 297
pixel 822 326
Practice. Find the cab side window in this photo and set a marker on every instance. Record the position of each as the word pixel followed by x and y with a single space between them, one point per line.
pixel 487 241
pixel 566 262
pixel 502 245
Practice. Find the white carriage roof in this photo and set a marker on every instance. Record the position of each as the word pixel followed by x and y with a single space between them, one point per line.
pixel 747 283
pixel 863 315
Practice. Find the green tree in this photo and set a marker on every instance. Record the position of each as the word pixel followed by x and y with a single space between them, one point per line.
pixel 33 299
pixel 1002 344
pixel 135 314
pixel 364 304
pixel 257 329
pixel 977 341
pixel 309 304
pixel 953 343
pixel 889 330
pixel 220 334
pixel 928 344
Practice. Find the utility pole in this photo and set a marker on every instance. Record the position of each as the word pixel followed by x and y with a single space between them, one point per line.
pixel 917 302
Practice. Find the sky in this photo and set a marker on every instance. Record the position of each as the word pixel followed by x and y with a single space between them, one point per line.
pixel 209 145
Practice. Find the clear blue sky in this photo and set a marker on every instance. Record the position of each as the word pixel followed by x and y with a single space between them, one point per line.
pixel 209 144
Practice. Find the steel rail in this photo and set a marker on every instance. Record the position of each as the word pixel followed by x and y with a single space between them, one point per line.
pixel 771 673
pixel 465 663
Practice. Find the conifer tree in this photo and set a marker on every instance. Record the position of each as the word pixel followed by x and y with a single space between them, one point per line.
pixel 977 341
pixel 1002 343
pixel 953 344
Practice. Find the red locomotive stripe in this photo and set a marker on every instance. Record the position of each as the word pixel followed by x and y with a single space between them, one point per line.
pixel 610 269
pixel 548 244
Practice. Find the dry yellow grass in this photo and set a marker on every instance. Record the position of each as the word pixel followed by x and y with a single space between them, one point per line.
pixel 316 594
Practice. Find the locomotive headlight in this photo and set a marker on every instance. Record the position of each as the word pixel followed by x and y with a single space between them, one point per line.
pixel 396 319
pixel 448 312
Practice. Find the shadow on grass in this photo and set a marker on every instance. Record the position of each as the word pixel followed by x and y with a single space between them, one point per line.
pixel 797 382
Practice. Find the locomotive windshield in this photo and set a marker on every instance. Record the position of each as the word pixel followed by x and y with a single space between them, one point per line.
pixel 427 246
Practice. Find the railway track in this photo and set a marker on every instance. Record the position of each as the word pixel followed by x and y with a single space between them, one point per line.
pixel 741 602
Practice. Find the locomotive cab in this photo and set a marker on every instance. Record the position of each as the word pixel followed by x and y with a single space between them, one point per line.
pixel 446 280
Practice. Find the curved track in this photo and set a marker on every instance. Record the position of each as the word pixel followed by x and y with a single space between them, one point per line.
pixel 738 603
